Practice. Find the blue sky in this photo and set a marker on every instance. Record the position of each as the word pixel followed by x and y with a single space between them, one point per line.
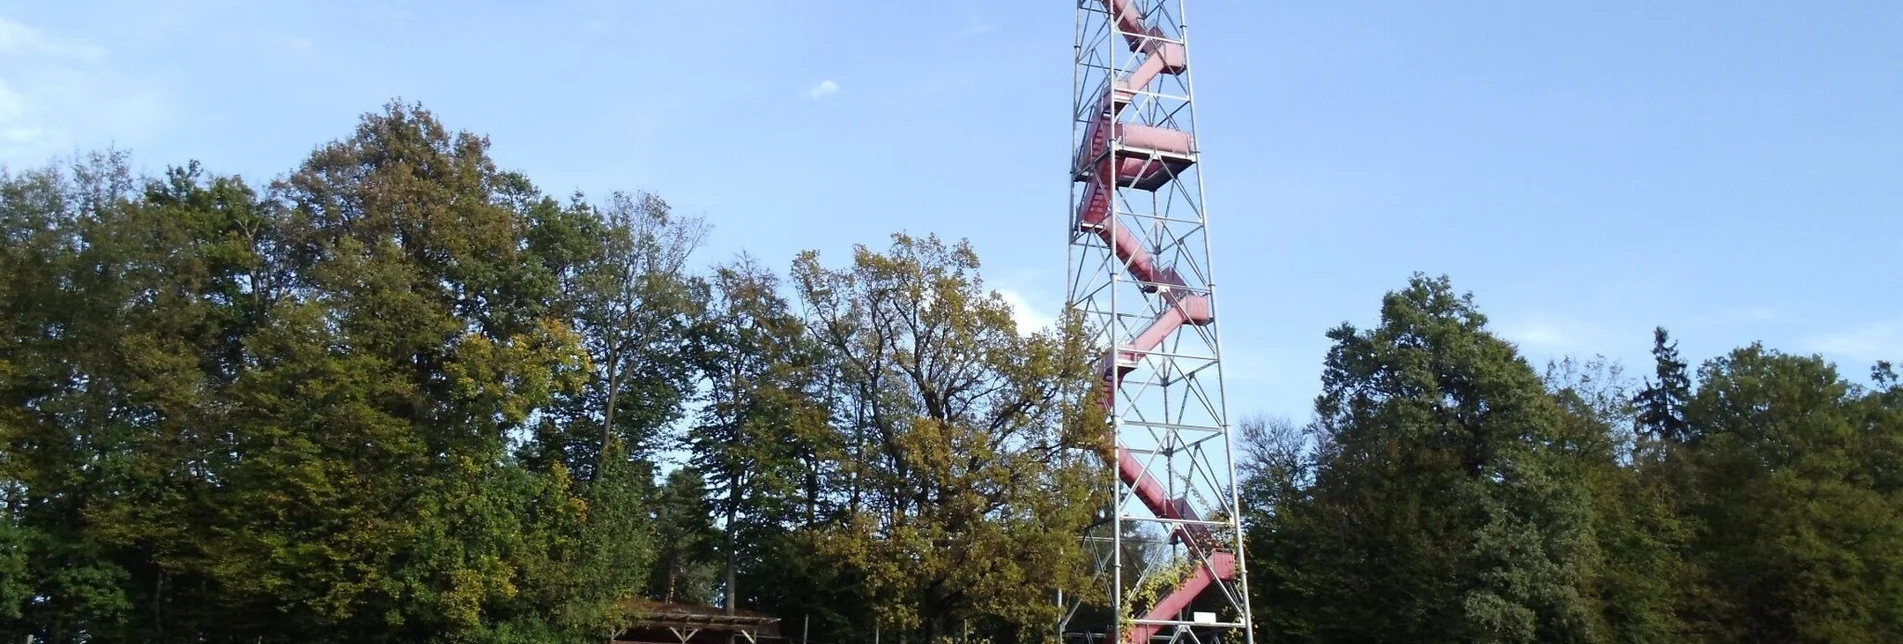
pixel 1732 171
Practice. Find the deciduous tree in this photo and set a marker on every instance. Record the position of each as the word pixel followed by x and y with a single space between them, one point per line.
pixel 970 488
pixel 1441 507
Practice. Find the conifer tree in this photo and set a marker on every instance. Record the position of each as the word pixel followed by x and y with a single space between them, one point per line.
pixel 1661 404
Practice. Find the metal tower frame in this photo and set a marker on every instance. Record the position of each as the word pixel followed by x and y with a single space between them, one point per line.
pixel 1168 549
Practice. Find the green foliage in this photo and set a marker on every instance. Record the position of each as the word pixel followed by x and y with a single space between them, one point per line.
pixel 401 395
pixel 763 433
pixel 1802 538
pixel 685 538
pixel 229 416
pixel 1662 403
pixel 1638 581
pixel 1445 499
pixel 1442 494
pixel 968 487
pixel 14 591
pixel 608 568
pixel 1154 584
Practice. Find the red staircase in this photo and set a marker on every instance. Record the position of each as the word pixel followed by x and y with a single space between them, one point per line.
pixel 1143 157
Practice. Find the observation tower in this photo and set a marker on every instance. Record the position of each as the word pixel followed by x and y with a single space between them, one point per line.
pixel 1167 550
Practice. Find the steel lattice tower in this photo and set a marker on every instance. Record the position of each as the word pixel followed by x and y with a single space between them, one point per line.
pixel 1167 550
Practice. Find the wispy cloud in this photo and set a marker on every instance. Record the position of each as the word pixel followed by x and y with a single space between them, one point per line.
pixel 57 92
pixel 20 40
pixel 1030 318
pixel 824 89
pixel 1544 333
pixel 40 69
pixel 1871 342
pixel 15 130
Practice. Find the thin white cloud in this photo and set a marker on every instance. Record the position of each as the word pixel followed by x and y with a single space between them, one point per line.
pixel 1030 318
pixel 20 40
pixel 824 89
pixel 15 130
pixel 1546 334
pixel 57 93
pixel 12 105
pixel 1872 342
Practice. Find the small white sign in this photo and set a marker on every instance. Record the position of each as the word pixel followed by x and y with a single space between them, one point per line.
pixel 1204 618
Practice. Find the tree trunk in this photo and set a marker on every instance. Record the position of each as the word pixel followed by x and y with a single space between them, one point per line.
pixel 608 415
pixel 733 542
pixel 733 500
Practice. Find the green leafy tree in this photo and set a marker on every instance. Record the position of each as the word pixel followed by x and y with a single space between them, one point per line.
pixel 231 417
pixel 613 551
pixel 635 307
pixel 966 486
pixel 1441 508
pixel 1639 578
pixel 69 403
pixel 685 539
pixel 1881 430
pixel 762 414
pixel 621 273
pixel 1275 464
pixel 1800 541
pixel 15 590
pixel 410 345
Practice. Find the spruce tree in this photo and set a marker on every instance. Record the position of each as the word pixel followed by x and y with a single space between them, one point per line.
pixel 1661 404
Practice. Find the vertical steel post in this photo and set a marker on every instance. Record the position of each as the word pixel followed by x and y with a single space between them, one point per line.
pixel 1142 280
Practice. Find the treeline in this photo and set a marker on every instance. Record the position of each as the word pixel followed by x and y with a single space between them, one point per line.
pixel 1445 491
pixel 399 394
